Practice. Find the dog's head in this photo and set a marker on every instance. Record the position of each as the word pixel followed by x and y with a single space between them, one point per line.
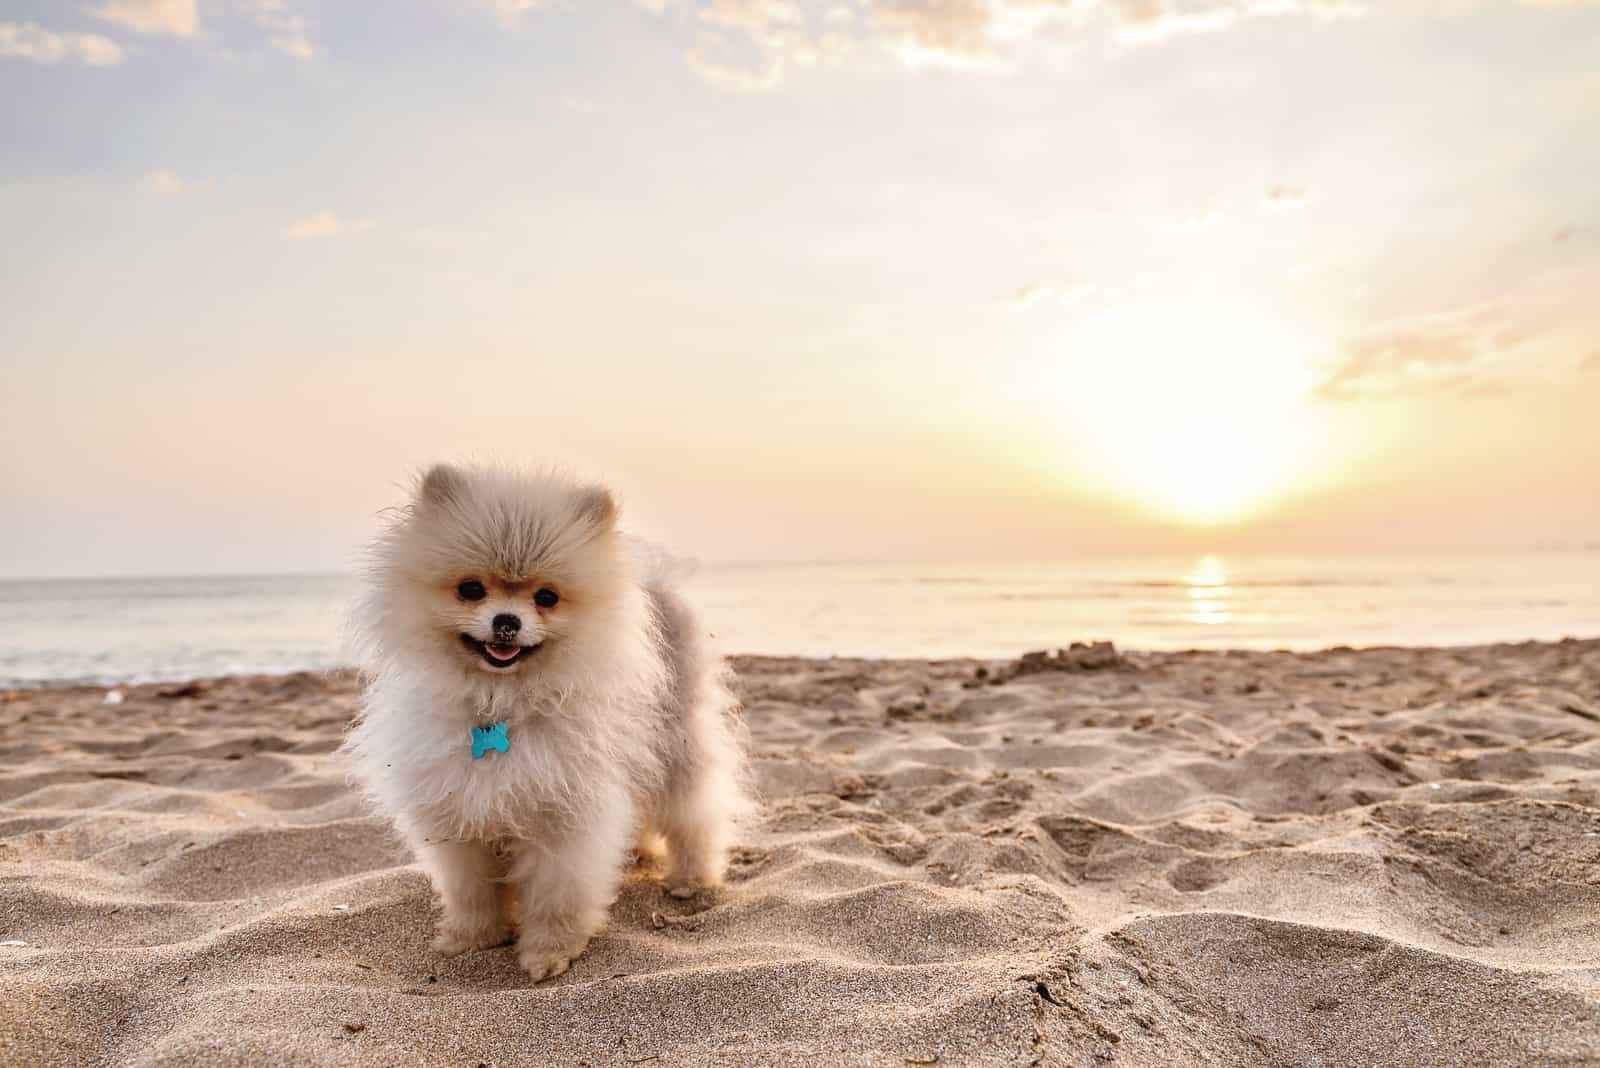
pixel 493 573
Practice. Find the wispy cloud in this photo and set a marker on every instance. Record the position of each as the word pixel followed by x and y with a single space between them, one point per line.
pixel 510 12
pixel 1152 21
pixel 1041 293
pixel 959 35
pixel 1286 197
pixel 717 61
pixel 1472 350
pixel 176 17
pixel 286 32
pixel 1142 23
pixel 1400 361
pixel 326 224
pixel 751 45
pixel 33 42
pixel 972 35
pixel 170 184
pixel 289 34
pixel 166 184
pixel 1468 353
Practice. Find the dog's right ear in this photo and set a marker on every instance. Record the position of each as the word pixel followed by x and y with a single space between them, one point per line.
pixel 441 486
pixel 597 507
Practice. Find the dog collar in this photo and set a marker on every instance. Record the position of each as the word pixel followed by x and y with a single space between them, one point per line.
pixel 491 737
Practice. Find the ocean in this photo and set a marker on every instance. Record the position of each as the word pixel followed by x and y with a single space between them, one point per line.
pixel 62 632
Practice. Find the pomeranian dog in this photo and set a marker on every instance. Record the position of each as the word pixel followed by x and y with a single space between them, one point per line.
pixel 538 706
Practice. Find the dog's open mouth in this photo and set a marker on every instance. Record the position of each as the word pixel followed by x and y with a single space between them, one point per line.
pixel 499 654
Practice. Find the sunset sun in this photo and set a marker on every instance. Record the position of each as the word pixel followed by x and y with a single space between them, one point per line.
pixel 1196 418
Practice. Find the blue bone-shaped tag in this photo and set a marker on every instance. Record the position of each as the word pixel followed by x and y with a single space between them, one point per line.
pixel 490 737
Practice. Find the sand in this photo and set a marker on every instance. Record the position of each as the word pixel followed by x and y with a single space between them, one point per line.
pixel 1387 856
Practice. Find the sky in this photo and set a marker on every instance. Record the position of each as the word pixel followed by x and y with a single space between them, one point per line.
pixel 879 279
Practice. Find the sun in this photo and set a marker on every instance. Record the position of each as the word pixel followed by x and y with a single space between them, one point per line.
pixel 1192 415
pixel 1204 438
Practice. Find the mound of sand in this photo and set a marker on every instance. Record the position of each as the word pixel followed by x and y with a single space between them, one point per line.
pixel 1388 856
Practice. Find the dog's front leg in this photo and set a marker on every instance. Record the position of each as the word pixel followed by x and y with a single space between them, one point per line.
pixel 566 883
pixel 465 875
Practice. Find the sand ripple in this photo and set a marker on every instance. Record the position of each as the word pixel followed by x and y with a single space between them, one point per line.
pixel 1386 856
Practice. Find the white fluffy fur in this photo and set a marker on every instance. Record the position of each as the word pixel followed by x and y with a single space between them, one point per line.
pixel 620 725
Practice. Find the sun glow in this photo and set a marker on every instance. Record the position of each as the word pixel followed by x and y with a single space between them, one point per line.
pixel 1198 418
pixel 1210 596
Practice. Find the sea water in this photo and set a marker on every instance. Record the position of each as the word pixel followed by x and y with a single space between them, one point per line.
pixel 60 632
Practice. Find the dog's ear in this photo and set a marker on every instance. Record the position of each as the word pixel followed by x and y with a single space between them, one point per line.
pixel 440 487
pixel 597 507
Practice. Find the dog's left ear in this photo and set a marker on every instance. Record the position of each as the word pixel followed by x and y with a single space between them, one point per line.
pixel 440 487
pixel 597 507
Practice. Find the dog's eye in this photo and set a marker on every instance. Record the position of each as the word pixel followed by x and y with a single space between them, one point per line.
pixel 471 590
pixel 546 598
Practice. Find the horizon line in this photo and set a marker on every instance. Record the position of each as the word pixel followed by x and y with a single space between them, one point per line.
pixel 1456 550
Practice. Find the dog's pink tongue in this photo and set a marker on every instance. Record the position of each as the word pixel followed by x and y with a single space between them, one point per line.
pixel 503 652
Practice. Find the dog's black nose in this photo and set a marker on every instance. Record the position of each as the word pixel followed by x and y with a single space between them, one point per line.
pixel 506 625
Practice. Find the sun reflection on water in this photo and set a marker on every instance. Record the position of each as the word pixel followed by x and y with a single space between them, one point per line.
pixel 1210 596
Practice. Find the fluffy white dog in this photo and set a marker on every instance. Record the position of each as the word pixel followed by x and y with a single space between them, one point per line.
pixel 537 707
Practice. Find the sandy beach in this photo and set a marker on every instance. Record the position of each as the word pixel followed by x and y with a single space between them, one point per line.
pixel 1386 856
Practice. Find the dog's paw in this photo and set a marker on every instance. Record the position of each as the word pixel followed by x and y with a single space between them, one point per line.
pixel 453 938
pixel 684 885
pixel 541 962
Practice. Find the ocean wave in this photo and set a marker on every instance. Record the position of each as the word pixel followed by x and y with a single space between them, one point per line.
pixel 144 678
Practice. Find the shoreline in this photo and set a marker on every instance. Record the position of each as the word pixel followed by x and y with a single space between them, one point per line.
pixel 21 686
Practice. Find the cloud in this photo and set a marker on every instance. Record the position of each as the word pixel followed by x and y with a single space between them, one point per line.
pixel 718 62
pixel 325 224
pixel 956 34
pixel 1040 293
pixel 990 36
pixel 1400 361
pixel 1591 362
pixel 1153 21
pixel 287 33
pixel 749 45
pixel 510 12
pixel 1465 354
pixel 1514 336
pixel 165 184
pixel 1143 22
pixel 168 184
pixel 175 17
pixel 1286 197
pixel 970 35
pixel 33 42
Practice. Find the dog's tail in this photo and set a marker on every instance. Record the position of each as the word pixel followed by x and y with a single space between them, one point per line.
pixel 659 568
